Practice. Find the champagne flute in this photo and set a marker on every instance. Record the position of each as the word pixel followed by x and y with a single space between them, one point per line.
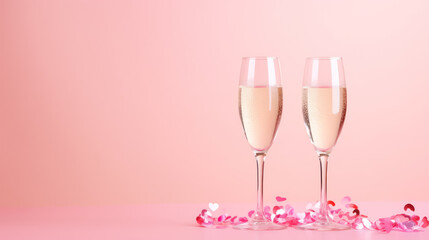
pixel 324 104
pixel 260 107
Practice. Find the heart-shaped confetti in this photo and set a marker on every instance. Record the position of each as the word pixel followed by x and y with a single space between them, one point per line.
pixel 351 205
pixel 356 212
pixel 242 220
pixel 280 199
pixel 409 206
pixel 425 222
pixel 250 214
pixel 346 200
pixel 221 218
pixel 213 206
pixel 276 208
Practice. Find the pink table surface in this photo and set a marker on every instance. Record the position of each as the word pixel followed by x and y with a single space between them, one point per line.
pixel 168 221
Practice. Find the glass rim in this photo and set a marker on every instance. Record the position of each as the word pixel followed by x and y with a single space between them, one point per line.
pixel 260 57
pixel 324 58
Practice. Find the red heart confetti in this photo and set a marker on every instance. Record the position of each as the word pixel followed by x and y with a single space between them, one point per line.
pixel 276 208
pixel 425 222
pixel 356 212
pixel 409 206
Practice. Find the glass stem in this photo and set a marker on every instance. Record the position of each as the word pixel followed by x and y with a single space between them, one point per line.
pixel 259 214
pixel 323 215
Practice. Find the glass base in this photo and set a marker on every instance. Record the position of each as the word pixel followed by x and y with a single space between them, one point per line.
pixel 259 226
pixel 324 226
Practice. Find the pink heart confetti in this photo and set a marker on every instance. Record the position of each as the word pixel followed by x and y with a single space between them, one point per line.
pixel 280 199
pixel 267 209
pixel 242 220
pixel 384 225
pixel 289 209
pixel 346 200
pixel 221 218
pixel 250 214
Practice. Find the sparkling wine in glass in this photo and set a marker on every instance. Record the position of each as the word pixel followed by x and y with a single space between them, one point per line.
pixel 260 107
pixel 324 105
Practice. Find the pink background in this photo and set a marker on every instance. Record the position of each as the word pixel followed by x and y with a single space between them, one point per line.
pixel 127 102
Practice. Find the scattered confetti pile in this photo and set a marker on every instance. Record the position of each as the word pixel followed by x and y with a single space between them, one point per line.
pixel 350 215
